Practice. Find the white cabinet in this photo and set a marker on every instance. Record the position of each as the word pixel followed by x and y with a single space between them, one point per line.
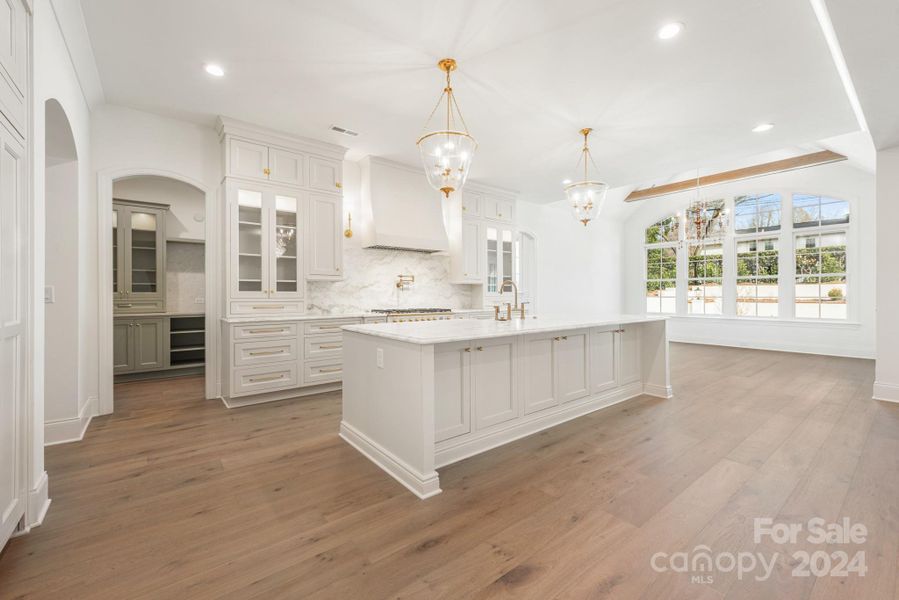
pixel 471 203
pixel 248 160
pixel 539 364
pixel 14 355
pixel 572 366
pixel 251 160
pixel 452 372
pixel 500 256
pixel 603 359
pixel 475 383
pixel 325 174
pixel 325 239
pixel 494 381
pixel 286 167
pixel 473 257
pixel 14 62
pixel 497 208
pixel 629 370
pixel 266 243
pixel 557 369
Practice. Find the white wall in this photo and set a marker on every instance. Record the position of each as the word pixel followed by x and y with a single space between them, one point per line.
pixel 886 375
pixel 578 267
pixel 61 316
pixel 854 338
pixel 55 78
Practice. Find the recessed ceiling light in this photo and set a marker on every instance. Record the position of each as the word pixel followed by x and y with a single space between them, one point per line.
pixel 763 127
pixel 566 181
pixel 670 30
pixel 214 70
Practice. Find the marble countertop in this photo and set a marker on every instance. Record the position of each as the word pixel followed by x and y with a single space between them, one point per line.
pixel 458 330
pixel 335 316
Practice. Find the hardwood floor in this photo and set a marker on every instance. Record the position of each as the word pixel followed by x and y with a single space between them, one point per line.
pixel 177 497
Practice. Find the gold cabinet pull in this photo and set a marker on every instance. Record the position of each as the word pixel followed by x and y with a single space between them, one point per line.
pixel 468 349
pixel 330 347
pixel 255 331
pixel 264 307
pixel 268 378
pixel 329 326
pixel 265 352
pixel 564 337
pixel 267 171
pixel 338 185
pixel 480 348
pixel 335 370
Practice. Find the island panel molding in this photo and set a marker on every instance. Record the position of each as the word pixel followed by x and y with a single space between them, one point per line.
pixel 419 396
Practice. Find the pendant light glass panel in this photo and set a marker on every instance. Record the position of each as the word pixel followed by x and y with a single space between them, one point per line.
pixel 446 156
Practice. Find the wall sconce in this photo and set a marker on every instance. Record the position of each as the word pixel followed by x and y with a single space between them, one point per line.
pixel 404 282
pixel 348 232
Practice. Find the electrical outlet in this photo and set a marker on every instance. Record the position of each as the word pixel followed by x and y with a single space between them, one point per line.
pixel 380 358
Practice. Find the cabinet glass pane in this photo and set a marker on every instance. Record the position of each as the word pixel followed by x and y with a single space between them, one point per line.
pixel 286 240
pixel 143 252
pixel 492 260
pixel 115 251
pixel 249 241
pixel 507 255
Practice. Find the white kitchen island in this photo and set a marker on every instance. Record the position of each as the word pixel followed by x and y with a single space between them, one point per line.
pixel 419 396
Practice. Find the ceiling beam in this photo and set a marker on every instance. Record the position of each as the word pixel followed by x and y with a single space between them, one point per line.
pixel 778 166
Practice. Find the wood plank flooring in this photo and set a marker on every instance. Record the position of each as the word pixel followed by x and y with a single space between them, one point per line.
pixel 174 496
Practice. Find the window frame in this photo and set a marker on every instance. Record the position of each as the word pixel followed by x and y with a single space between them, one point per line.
pixel 646 279
pixel 845 229
pixel 776 235
pixel 704 279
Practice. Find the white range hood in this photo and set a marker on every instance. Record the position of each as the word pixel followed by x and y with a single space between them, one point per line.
pixel 402 212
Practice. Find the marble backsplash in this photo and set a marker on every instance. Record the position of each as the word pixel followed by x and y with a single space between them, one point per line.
pixel 185 277
pixel 370 282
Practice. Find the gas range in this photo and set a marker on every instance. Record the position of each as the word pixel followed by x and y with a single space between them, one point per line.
pixel 402 315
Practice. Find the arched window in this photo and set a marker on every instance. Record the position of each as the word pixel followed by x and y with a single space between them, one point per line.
pixel 661 266
pixel 757 222
pixel 820 225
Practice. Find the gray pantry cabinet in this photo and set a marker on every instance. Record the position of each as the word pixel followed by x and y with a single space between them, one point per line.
pixel 138 256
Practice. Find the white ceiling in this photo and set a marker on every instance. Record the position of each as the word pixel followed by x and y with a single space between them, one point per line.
pixel 532 72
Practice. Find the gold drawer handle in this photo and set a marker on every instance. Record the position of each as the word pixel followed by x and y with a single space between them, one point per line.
pixel 262 379
pixel 278 306
pixel 255 331
pixel 267 171
pixel 266 352
pixel 329 326
pixel 330 347
pixel 337 370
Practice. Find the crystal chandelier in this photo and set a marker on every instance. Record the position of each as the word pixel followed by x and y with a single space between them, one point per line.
pixel 586 196
pixel 705 220
pixel 446 152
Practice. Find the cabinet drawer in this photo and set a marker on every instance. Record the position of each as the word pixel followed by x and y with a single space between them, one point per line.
pixel 319 327
pixel 255 380
pixel 323 346
pixel 122 307
pixel 258 331
pixel 262 353
pixel 264 307
pixel 323 372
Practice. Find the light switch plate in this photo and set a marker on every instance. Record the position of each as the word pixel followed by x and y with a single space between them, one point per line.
pixel 49 294
pixel 380 358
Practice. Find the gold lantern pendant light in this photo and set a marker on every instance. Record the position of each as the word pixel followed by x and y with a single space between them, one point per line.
pixel 446 152
pixel 588 195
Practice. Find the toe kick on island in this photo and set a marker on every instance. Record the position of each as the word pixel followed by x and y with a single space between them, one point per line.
pixel 419 396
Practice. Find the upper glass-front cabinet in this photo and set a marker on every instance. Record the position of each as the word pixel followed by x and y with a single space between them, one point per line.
pixel 267 241
pixel 501 257
pixel 138 257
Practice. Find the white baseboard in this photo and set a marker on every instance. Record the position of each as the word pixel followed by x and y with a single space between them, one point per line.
pixel 422 485
pixel 469 445
pixel 70 430
pixel 888 392
pixel 659 391
pixel 841 351
pixel 38 504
